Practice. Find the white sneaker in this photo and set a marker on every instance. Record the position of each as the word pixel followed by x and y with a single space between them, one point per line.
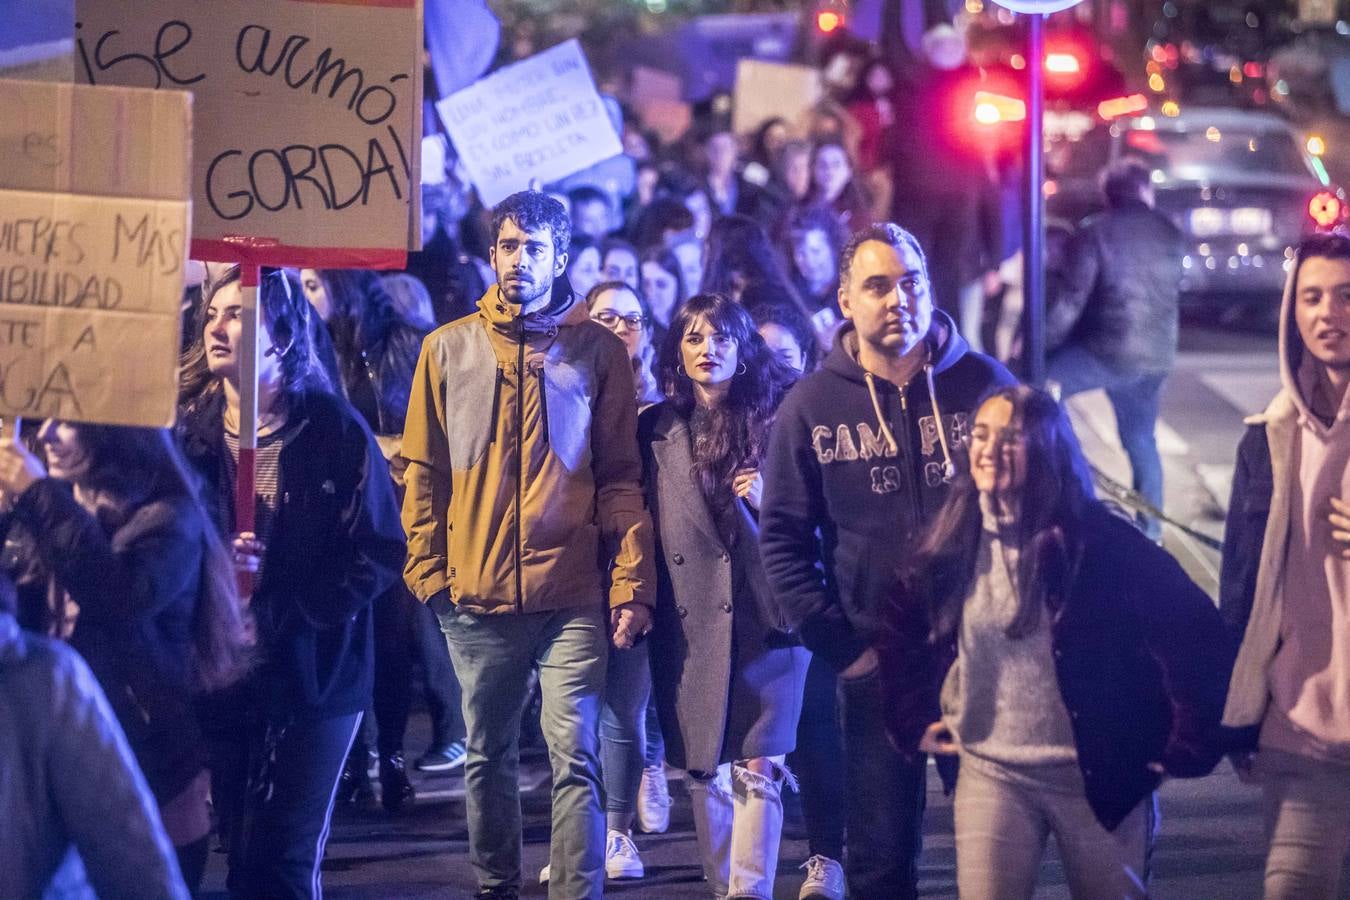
pixel 621 857
pixel 653 801
pixel 824 879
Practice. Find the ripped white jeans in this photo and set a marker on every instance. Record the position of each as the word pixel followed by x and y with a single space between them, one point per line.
pixel 738 817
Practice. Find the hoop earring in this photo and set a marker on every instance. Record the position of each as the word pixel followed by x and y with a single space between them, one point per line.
pixel 742 369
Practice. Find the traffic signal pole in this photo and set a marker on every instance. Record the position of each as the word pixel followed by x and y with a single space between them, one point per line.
pixel 1033 244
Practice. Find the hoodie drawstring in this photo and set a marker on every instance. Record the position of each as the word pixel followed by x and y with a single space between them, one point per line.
pixel 881 419
pixel 496 403
pixel 949 468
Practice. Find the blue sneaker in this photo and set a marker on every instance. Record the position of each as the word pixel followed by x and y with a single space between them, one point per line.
pixel 442 759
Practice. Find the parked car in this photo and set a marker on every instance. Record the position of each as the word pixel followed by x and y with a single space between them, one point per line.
pixel 1240 184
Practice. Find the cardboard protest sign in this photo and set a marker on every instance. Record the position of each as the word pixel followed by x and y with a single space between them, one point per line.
pixel 766 90
pixel 93 239
pixel 308 118
pixel 541 118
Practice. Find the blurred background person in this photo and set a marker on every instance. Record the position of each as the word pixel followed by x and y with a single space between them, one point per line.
pixel 113 550
pixel 82 821
pixel 583 265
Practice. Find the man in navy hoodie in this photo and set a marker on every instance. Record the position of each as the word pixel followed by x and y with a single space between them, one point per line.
pixel 861 456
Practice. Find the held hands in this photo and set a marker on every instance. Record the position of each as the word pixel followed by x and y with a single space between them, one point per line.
pixel 629 622
pixel 1339 517
pixel 748 484
pixel 938 740
pixel 247 552
pixel 19 468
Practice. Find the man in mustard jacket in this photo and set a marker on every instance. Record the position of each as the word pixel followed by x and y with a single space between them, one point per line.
pixel 523 478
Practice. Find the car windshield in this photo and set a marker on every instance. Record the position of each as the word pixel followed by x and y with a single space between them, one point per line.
pixel 1208 149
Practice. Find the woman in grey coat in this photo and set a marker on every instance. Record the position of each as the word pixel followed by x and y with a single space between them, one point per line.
pixel 728 674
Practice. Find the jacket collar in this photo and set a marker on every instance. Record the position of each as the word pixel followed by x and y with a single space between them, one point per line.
pixel 563 309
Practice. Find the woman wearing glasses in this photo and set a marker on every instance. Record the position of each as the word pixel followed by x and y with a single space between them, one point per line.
pixel 622 309
pixel 727 671
pixel 623 742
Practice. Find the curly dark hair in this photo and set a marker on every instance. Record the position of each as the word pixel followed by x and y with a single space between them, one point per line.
pixel 532 210
pixel 737 432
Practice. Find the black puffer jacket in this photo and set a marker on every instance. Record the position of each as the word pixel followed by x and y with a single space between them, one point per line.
pixel 336 544
pixel 137 582
pixel 1117 295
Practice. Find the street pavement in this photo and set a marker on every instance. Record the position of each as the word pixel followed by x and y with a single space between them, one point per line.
pixel 1209 847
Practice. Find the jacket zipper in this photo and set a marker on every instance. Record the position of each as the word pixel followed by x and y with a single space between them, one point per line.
pixel 520 466
pixel 543 404
pixel 914 483
pixel 496 404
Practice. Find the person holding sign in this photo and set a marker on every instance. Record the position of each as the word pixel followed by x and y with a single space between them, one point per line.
pixel 521 442
pixel 327 543
pixel 110 547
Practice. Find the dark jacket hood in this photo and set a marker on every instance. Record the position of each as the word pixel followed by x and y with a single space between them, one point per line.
pixel 945 348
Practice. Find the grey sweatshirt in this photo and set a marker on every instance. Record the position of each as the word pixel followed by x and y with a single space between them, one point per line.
pixel 1001 699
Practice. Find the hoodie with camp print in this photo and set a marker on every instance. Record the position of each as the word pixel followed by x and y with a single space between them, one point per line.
pixel 855 467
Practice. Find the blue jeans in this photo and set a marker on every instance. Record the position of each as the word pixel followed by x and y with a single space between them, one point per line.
pixel 493 656
pixel 886 798
pixel 1135 401
pixel 623 732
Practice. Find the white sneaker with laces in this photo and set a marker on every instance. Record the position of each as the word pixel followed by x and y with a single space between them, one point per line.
pixel 653 801
pixel 621 856
pixel 824 879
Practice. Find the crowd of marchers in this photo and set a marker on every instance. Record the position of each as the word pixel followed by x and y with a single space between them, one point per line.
pixel 712 484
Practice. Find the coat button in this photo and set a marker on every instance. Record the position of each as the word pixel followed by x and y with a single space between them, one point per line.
pixel 682 611
pixel 678 559
pixel 1059 654
pixel 726 557
pixel 726 607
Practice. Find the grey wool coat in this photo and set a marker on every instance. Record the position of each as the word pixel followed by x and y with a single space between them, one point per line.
pixel 727 674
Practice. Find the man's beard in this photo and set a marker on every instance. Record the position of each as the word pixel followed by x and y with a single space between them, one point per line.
pixel 528 294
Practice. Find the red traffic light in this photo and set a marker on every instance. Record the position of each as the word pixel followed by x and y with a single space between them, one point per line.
pixel 1326 209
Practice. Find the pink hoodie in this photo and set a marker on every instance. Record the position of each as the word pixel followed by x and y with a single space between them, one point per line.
pixel 1309 677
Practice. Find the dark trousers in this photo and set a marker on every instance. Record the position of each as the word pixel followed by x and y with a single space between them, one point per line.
pixel 1135 398
pixel 284 803
pixel 886 798
pixel 818 762
pixel 406 630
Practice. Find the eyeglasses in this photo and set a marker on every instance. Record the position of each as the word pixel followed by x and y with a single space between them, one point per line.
pixel 611 319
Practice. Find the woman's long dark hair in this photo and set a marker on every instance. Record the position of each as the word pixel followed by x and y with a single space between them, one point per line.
pixel 740 248
pixel 737 432
pixel 134 466
pixel 367 330
pixel 286 315
pixel 1051 506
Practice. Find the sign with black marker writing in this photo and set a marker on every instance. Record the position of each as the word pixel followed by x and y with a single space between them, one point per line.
pixel 541 118
pixel 308 118
pixel 93 238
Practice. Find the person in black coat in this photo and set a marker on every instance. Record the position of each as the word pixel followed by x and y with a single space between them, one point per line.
pixel 111 549
pixel 1067 660
pixel 327 543
pixel 1113 322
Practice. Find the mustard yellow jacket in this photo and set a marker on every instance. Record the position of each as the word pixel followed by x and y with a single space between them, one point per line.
pixel 524 478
